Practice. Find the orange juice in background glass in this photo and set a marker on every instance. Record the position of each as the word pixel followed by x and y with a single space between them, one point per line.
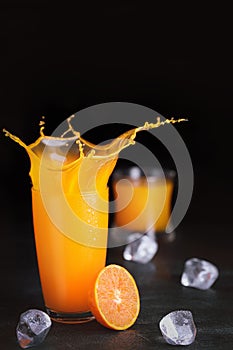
pixel 70 214
pixel 143 199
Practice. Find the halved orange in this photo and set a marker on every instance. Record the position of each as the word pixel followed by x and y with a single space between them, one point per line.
pixel 114 300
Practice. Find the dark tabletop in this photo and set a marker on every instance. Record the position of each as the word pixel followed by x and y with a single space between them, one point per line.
pixel 204 233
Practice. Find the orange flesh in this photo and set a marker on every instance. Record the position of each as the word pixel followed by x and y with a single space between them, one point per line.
pixel 115 301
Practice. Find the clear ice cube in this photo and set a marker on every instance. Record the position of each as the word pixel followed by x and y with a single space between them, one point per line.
pixel 178 328
pixel 199 274
pixel 141 247
pixel 32 328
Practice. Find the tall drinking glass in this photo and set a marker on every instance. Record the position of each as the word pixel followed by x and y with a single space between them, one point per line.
pixel 70 216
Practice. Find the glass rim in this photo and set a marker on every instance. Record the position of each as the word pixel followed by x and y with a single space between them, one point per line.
pixel 149 173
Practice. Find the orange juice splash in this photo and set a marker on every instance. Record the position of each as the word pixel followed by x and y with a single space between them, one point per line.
pixel 70 211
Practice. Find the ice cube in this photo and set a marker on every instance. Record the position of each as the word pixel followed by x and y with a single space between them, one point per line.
pixel 178 328
pixel 32 328
pixel 199 274
pixel 141 247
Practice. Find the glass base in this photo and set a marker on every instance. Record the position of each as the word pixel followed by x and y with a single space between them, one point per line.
pixel 71 318
pixel 164 237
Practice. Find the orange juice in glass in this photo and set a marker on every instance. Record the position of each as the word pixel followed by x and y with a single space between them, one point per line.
pixel 70 214
pixel 68 267
pixel 143 200
pixel 70 217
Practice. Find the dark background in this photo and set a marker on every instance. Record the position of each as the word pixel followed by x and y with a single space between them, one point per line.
pixel 175 59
